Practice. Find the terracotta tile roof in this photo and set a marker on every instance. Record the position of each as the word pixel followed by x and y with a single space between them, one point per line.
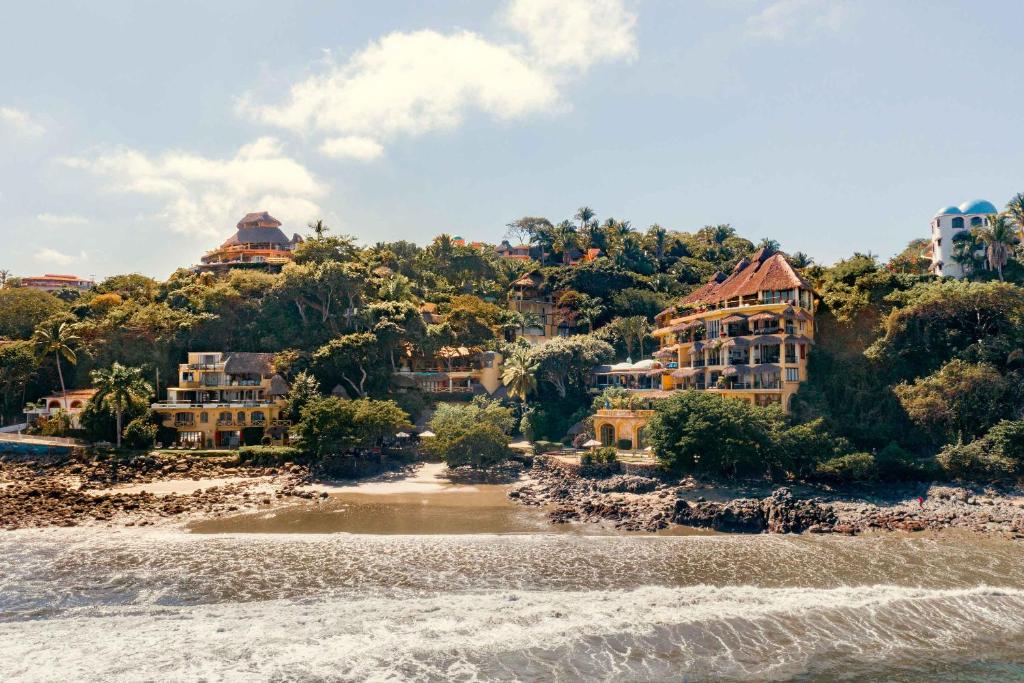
pixel 762 271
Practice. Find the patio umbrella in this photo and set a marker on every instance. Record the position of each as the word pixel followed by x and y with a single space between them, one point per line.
pixel 592 443
pixel 402 435
pixel 427 434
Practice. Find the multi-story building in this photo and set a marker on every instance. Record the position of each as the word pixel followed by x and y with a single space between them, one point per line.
pixel 746 335
pixel 530 297
pixel 257 243
pixel 224 400
pixel 948 227
pixel 53 283
pixel 453 370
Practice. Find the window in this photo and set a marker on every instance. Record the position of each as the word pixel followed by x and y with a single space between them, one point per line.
pixel 204 417
pixel 241 417
pixel 958 223
pixel 258 417
pixel 792 374
pixel 975 222
pixel 714 327
pixel 803 351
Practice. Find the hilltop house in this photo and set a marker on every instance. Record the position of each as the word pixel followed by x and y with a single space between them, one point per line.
pixel 452 370
pixel 257 243
pixel 948 225
pixel 530 297
pixel 224 400
pixel 53 283
pixel 745 335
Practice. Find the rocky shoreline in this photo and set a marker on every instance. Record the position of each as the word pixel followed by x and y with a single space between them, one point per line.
pixel 640 503
pixel 90 489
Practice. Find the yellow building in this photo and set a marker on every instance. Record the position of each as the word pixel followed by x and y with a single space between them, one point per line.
pixel 453 370
pixel 746 335
pixel 531 298
pixel 224 400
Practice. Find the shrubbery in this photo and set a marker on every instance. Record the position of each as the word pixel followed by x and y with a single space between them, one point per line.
pixel 140 433
pixel 474 434
pixel 999 454
pixel 849 468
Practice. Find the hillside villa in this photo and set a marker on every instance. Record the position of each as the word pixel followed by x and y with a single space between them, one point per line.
pixel 53 283
pixel 745 335
pixel 257 243
pixel 224 400
pixel 948 226
pixel 452 370
pixel 530 297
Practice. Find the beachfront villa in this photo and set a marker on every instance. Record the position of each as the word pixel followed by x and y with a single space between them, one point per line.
pixel 224 400
pixel 258 242
pixel 72 403
pixel 746 335
pixel 948 227
pixel 53 283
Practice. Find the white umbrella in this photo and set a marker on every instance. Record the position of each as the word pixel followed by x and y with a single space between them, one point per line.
pixel 593 443
pixel 402 435
pixel 427 434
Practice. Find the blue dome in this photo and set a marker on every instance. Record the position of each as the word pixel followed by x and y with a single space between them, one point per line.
pixel 978 206
pixel 948 211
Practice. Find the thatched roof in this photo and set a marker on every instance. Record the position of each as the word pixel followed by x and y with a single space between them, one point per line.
pixel 278 386
pixel 248 363
pixel 762 271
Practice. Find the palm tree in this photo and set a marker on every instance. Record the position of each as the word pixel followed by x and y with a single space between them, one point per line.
pixel 589 309
pixel 998 238
pixel 319 228
pixel 799 259
pixel 4 274
pixel 520 374
pixel 121 387
pixel 59 340
pixel 564 240
pixel 657 237
pixel 1016 211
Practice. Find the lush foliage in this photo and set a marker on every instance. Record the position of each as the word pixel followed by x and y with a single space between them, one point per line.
pixel 482 424
pixel 331 425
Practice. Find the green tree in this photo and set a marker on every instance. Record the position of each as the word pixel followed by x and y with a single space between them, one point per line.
pixel 329 425
pixel 57 340
pixel 17 368
pixel 564 362
pixel 697 432
pixel 304 388
pixel 354 359
pixel 22 310
pixel 960 400
pixel 122 388
pixel 519 374
pixel 999 239
pixel 1015 211
pixel 461 429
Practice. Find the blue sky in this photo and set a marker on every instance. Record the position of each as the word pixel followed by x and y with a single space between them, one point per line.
pixel 133 135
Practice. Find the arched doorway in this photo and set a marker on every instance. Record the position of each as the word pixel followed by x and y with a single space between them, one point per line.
pixel 641 438
pixel 607 435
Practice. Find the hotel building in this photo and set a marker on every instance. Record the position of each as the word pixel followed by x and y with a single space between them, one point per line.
pixel 53 283
pixel 947 227
pixel 224 400
pixel 531 297
pixel 746 335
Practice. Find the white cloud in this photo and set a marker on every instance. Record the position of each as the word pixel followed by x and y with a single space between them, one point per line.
pixel 352 147
pixel 412 83
pixel 61 219
pixel 783 19
pixel 207 196
pixel 48 255
pixel 20 122
pixel 575 33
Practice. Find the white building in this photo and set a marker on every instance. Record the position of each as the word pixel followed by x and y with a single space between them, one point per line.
pixel 946 225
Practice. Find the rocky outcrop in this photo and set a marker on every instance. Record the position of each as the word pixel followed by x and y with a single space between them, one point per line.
pixel 779 513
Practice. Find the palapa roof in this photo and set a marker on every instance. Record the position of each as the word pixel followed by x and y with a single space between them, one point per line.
pixel 248 363
pixel 531 279
pixel 278 386
pixel 765 270
pixel 260 228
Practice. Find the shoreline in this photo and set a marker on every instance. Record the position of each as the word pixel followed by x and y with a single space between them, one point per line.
pixel 640 503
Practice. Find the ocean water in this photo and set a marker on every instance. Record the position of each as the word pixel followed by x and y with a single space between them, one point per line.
pixel 153 605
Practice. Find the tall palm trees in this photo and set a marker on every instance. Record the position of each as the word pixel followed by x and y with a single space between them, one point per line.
pixel 564 240
pixel 319 228
pixel 998 237
pixel 520 374
pixel 59 340
pixel 121 387
pixel 1015 210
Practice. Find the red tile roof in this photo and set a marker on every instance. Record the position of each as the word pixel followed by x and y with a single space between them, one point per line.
pixel 762 271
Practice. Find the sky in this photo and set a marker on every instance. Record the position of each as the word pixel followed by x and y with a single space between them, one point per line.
pixel 135 134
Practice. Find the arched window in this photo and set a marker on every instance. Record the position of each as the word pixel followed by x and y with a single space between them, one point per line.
pixel 241 417
pixel 53 404
pixel 76 404
pixel 958 223
pixel 976 221
pixel 258 417
pixel 607 435
pixel 224 418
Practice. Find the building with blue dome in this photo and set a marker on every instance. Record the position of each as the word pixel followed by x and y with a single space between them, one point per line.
pixel 946 225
